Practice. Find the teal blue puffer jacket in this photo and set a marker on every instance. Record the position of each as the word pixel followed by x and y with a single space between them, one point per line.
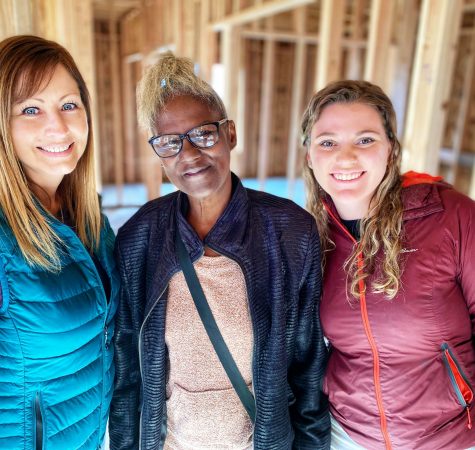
pixel 56 361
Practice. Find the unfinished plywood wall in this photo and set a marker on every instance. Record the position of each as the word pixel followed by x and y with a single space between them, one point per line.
pixel 274 54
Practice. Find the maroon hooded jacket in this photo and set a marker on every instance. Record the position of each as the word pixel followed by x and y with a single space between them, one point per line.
pixel 401 372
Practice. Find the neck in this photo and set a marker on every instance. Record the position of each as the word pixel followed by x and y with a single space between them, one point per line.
pixel 351 211
pixel 48 196
pixel 204 213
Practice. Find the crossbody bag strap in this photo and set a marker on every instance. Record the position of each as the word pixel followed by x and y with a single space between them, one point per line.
pixel 212 329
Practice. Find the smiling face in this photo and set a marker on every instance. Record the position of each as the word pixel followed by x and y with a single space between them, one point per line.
pixel 201 173
pixel 49 130
pixel 348 153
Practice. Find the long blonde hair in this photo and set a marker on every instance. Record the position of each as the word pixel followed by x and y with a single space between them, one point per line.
pixel 171 77
pixel 26 64
pixel 381 228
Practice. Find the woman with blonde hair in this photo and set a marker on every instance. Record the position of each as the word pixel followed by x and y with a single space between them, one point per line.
pixel 58 282
pixel 398 304
pixel 218 344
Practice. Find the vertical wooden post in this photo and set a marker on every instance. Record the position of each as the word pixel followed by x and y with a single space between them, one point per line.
pixel 472 184
pixel 207 42
pixel 462 112
pixel 231 60
pixel 406 24
pixel 329 49
pixel 265 119
pixel 129 121
pixel 178 26
pixel 354 66
pixel 16 17
pixel 118 144
pixel 377 53
pixel 438 29
pixel 296 106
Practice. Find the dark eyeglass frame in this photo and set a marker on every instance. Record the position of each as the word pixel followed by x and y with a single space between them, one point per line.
pixel 186 136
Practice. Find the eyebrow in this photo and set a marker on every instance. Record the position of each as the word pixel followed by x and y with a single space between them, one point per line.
pixel 42 101
pixel 329 133
pixel 195 126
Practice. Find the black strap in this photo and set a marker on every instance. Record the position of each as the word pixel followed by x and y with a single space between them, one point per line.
pixel 212 329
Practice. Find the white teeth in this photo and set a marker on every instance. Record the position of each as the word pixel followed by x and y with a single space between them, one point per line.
pixel 56 148
pixel 194 171
pixel 347 176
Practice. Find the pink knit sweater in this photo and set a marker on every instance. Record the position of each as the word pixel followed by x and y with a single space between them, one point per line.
pixel 203 410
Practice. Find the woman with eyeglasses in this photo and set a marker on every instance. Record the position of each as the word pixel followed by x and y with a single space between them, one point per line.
pixel 58 282
pixel 254 257
pixel 398 304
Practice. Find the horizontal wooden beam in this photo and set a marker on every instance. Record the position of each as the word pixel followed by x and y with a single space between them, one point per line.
pixel 282 36
pixel 259 11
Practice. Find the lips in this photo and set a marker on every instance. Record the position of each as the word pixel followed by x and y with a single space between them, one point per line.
pixel 56 148
pixel 195 171
pixel 348 176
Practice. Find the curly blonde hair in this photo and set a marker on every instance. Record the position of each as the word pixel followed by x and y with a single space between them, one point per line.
pixel 27 63
pixel 380 230
pixel 171 77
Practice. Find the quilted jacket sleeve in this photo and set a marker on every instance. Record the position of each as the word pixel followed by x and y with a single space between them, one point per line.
pixel 124 420
pixel 309 412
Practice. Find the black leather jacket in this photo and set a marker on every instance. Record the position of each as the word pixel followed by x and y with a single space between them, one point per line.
pixel 275 243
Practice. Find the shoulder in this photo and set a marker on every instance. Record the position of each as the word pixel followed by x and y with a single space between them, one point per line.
pixel 438 201
pixel 292 221
pixel 277 207
pixel 453 199
pixel 149 214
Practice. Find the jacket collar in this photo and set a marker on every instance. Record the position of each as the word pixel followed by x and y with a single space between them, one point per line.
pixel 226 237
pixel 227 234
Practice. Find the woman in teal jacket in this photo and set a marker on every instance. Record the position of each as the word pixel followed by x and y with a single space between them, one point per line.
pixel 58 281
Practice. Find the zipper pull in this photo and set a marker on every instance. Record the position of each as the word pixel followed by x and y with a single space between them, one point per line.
pixel 106 336
pixel 469 423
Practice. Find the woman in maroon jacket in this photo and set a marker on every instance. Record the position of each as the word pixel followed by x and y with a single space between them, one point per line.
pixel 398 302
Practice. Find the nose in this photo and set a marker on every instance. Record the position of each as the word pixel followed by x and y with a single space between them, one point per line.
pixel 189 152
pixel 347 154
pixel 56 124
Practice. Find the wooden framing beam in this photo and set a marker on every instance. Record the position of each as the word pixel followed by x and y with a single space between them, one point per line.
pixel 354 68
pixel 462 112
pixel 379 40
pixel 329 50
pixel 282 36
pixel 406 24
pixel 432 72
pixel 129 114
pixel 207 46
pixel 231 59
pixel 118 143
pixel 265 119
pixel 472 184
pixel 259 11
pixel 16 17
pixel 298 87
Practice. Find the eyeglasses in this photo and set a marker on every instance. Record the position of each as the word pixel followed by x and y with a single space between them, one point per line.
pixel 203 136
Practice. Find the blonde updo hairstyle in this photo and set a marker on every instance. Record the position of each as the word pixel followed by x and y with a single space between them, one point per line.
pixel 380 230
pixel 171 77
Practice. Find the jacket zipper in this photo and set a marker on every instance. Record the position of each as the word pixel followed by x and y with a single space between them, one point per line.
pixel 107 308
pixel 38 423
pixel 459 381
pixel 369 336
pixel 140 357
